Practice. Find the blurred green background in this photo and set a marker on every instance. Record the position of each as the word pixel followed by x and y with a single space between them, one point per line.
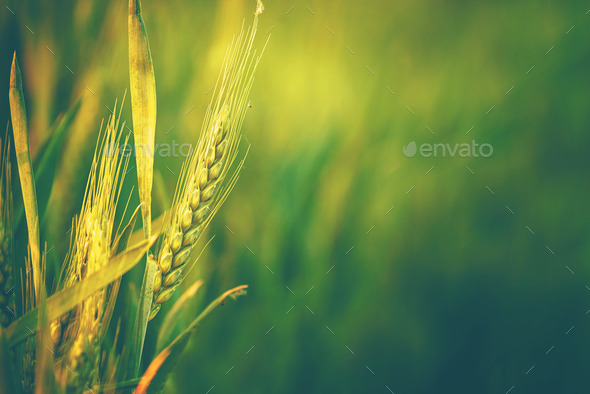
pixel 446 292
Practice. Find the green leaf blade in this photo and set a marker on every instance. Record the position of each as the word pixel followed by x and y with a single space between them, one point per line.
pixel 143 106
pixel 64 300
pixel 20 131
pixel 159 369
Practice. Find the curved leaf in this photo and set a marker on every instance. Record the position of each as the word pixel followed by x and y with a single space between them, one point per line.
pixel 143 106
pixel 64 300
pixel 18 114
pixel 172 318
pixel 157 372
pixel 46 166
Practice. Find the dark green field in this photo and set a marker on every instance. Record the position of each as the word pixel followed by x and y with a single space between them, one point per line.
pixel 368 271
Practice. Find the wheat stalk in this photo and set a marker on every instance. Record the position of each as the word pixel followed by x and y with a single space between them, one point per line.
pixel 91 249
pixel 6 279
pixel 18 114
pixel 204 183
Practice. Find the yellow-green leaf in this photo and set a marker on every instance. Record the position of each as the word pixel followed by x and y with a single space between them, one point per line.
pixel 61 302
pixel 169 329
pixel 18 115
pixel 143 106
pixel 44 367
pixel 157 372
pixel 142 317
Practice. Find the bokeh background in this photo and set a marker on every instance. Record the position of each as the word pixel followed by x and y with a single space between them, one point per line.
pixel 369 271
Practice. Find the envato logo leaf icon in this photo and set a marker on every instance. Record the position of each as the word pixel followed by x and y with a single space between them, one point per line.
pixel 410 149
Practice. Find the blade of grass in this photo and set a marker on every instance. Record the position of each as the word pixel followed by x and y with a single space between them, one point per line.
pixel 44 367
pixel 64 300
pixel 25 169
pixel 157 372
pixel 172 318
pixel 117 387
pixel 46 161
pixel 47 164
pixel 142 317
pixel 119 245
pixel 143 106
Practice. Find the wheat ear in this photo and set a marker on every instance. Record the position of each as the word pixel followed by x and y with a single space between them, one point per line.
pixel 207 178
pixel 79 349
